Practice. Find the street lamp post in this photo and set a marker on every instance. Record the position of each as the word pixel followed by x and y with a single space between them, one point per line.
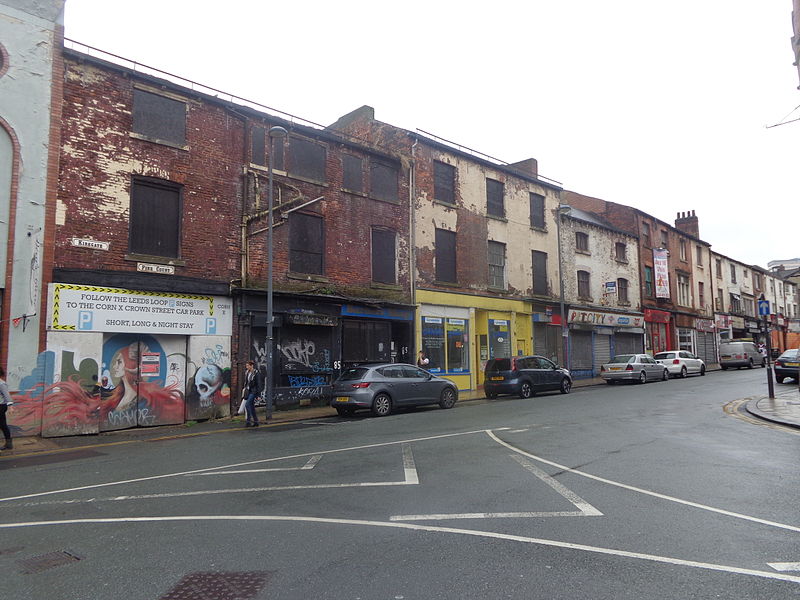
pixel 563 209
pixel 279 133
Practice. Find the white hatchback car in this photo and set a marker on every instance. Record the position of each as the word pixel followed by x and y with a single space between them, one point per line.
pixel 681 363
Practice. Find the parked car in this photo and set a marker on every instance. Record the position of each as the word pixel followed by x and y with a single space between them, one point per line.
pixel 681 363
pixel 740 354
pixel 787 365
pixel 524 376
pixel 633 367
pixel 383 387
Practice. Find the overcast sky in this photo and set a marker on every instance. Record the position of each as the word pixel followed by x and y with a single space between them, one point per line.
pixel 659 105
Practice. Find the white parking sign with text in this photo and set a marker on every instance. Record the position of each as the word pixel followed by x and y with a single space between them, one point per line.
pixel 73 307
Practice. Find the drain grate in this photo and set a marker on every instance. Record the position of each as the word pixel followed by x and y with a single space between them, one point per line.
pixel 212 585
pixel 37 564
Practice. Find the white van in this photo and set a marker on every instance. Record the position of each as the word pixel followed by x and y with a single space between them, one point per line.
pixel 740 354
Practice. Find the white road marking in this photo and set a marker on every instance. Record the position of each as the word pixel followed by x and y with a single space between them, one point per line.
pixel 787 566
pixel 426 528
pixel 241 464
pixel 586 509
pixel 643 491
pixel 309 465
pixel 409 472
pixel 518 430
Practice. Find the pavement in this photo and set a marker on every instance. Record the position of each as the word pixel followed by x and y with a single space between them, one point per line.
pixel 783 409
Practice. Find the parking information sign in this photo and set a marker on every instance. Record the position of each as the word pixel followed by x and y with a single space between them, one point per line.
pixel 763 308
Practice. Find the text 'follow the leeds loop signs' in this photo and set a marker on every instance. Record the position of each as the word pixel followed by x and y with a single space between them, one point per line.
pixel 91 308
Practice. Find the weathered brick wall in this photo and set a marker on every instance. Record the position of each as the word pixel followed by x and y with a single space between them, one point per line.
pixel 99 157
pixel 348 221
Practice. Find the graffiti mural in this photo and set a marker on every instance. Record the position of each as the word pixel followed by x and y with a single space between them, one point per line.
pixel 209 385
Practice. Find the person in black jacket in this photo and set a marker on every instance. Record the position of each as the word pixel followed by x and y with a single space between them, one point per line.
pixel 252 388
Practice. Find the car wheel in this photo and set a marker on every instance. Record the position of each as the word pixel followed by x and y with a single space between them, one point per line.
pixel 702 370
pixel 381 405
pixel 779 378
pixel 642 377
pixel 491 395
pixel 566 386
pixel 448 398
pixel 525 389
pixel 683 373
pixel 344 411
pixel 724 368
pixel 665 375
pixel 750 364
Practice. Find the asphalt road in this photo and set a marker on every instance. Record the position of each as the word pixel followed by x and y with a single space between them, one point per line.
pixel 657 491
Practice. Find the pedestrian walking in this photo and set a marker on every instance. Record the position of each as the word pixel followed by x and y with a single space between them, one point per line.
pixel 252 388
pixel 5 402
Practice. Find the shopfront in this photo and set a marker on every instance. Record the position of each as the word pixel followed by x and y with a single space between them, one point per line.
pixel 659 331
pixel 119 358
pixel 706 347
pixel 594 337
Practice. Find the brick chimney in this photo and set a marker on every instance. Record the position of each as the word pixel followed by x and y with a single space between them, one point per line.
pixel 687 223
pixel 528 166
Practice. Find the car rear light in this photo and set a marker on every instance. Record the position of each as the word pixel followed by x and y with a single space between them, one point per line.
pixel 602 368
pixel 778 363
pixel 675 361
pixel 629 368
pixel 514 363
pixel 363 384
pixel 738 356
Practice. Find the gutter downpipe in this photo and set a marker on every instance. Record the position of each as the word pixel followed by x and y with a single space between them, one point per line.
pixel 412 238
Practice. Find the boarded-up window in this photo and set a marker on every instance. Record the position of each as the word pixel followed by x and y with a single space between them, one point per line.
pixel 584 290
pixel 537 210
pixel 444 182
pixel 622 291
pixel 620 252
pixel 582 241
pixel 306 244
pixel 497 265
pixel 306 159
pixel 383 181
pixel 352 173
pixel 539 273
pixel 446 256
pixel 258 154
pixel 159 118
pixel 383 256
pixel 155 218
pixel 494 199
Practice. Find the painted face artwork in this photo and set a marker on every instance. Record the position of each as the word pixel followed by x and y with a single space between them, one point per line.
pixel 207 381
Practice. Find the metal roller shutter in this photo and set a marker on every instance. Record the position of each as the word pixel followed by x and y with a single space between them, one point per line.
pixel 705 347
pixel 602 350
pixel 628 343
pixel 581 350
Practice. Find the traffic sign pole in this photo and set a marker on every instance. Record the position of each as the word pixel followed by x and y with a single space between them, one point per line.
pixel 763 310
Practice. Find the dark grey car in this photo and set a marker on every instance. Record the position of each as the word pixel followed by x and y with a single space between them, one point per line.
pixel 386 386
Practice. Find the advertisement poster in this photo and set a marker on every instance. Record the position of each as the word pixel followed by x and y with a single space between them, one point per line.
pixel 661 272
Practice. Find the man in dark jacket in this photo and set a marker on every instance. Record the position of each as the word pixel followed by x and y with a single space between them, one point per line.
pixel 252 388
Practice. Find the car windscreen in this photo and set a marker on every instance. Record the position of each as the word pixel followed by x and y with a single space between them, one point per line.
pixel 499 364
pixel 353 374
pixel 790 355
pixel 623 358
pixel 663 355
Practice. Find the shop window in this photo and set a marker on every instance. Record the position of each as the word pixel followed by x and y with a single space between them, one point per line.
pixel 384 261
pixel 497 265
pixel 158 118
pixel 383 182
pixel 499 338
pixel 433 343
pixel 258 151
pixel 307 159
pixel 584 289
pixel 444 182
pixel 537 210
pixel 648 282
pixel 622 291
pixel 581 241
pixel 155 218
pixel 685 340
pixel 366 341
pixel 495 206
pixel 445 256
pixel 306 243
pixel 352 173
pixel 457 348
pixel 539 260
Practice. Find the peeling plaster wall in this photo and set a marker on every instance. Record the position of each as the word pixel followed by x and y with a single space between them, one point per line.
pixel 601 264
pixel 28 34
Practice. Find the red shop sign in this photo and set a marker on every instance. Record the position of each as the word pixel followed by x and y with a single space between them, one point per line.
pixel 656 316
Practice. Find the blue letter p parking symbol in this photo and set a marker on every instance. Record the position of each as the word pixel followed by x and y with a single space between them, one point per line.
pixel 85 320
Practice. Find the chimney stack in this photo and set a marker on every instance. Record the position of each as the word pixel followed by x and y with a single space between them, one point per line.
pixel 529 167
pixel 687 223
